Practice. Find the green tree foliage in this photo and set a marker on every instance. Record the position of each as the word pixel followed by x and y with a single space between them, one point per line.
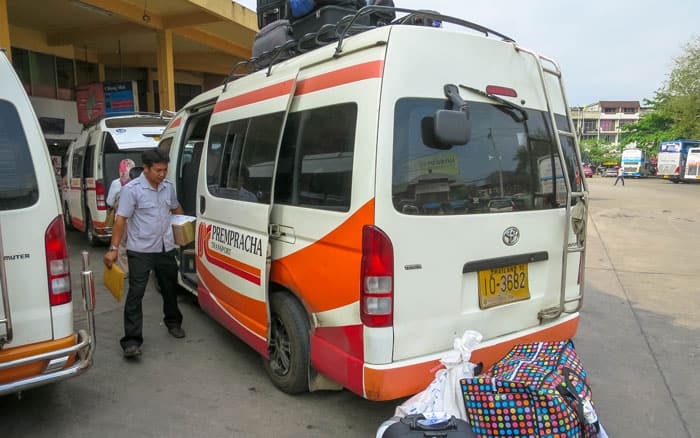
pixel 676 105
pixel 598 152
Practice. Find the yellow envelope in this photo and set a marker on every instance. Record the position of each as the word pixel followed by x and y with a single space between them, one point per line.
pixel 114 281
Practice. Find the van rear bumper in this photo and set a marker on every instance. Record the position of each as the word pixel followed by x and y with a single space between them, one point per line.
pixel 46 362
pixel 401 379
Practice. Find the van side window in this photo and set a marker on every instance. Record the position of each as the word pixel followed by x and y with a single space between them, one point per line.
pixel 316 158
pixel 165 144
pixel 89 161
pixel 18 185
pixel 77 164
pixel 241 156
pixel 570 158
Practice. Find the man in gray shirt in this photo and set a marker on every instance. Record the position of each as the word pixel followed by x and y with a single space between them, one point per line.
pixel 147 202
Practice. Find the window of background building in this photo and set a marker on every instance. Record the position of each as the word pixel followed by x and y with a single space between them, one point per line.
pixel 183 94
pixel 608 138
pixel 629 110
pixel 86 73
pixel 589 125
pixel 42 68
pixel 607 125
pixel 65 78
pixel 609 110
pixel 20 61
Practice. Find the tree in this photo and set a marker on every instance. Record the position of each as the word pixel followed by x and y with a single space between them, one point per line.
pixel 651 129
pixel 676 105
pixel 598 152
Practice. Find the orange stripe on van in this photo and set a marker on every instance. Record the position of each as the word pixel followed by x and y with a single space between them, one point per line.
pixel 326 275
pixel 36 368
pixel 175 123
pixel 355 73
pixel 270 92
pixel 249 312
pixel 393 383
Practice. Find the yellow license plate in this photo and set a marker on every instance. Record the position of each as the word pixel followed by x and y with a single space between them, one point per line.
pixel 503 285
pixel 665 176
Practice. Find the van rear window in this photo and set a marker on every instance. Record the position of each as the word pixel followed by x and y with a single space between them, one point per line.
pixel 18 185
pixel 508 165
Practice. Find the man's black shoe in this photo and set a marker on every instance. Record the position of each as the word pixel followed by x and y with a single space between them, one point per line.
pixel 132 351
pixel 176 332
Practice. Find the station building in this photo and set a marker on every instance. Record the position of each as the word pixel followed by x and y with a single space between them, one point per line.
pixel 137 55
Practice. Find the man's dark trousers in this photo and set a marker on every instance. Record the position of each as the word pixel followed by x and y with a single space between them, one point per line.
pixel 140 266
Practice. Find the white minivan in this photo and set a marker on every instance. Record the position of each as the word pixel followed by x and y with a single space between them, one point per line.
pixel 38 343
pixel 93 164
pixel 361 205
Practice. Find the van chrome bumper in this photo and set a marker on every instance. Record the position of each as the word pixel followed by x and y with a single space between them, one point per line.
pixel 83 349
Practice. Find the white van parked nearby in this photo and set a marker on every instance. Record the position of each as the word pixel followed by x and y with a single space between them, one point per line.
pixel 93 163
pixel 38 343
pixel 361 205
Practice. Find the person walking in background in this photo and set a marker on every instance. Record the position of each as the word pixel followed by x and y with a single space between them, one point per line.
pixel 620 176
pixel 125 168
pixel 147 202
pixel 115 187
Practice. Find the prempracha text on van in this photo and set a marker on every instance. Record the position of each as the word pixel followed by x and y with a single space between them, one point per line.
pixel 402 186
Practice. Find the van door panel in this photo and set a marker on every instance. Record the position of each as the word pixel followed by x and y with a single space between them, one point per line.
pixel 236 180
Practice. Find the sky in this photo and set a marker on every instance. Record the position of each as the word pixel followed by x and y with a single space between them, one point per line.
pixel 607 49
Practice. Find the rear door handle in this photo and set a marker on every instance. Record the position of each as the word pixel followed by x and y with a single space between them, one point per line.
pixel 202 205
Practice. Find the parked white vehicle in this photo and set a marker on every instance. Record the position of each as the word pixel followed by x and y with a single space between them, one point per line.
pixel 38 343
pixel 343 223
pixel 93 164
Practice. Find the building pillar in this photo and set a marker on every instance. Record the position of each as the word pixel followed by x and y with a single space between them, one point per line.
pixel 5 30
pixel 101 72
pixel 150 98
pixel 166 70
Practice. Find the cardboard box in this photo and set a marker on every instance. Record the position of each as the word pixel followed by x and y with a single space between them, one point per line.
pixel 183 228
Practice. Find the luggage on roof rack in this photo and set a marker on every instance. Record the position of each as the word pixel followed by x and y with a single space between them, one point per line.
pixel 270 11
pixel 325 16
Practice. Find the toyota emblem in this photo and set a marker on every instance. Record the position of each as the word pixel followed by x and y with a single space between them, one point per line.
pixel 511 236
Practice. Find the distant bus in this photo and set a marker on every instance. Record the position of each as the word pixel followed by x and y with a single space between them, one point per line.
pixel 692 165
pixel 672 158
pixel 634 163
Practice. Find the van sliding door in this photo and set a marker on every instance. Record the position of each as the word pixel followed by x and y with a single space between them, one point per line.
pixel 235 195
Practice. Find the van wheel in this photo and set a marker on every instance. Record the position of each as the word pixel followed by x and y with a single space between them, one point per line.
pixel 288 366
pixel 66 218
pixel 90 232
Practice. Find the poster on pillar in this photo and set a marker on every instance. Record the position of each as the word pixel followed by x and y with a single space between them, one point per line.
pixel 106 98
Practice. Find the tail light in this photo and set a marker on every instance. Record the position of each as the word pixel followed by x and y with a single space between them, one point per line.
pixel 100 195
pixel 57 263
pixel 376 278
pixel 677 171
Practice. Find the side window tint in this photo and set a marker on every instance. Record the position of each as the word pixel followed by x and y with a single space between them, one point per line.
pixel 89 162
pixel 316 158
pixel 18 184
pixel 569 148
pixel 77 164
pixel 165 144
pixel 241 157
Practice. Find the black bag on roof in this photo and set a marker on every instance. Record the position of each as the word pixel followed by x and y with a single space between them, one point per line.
pixel 270 11
pixel 274 34
pixel 382 18
pixel 327 15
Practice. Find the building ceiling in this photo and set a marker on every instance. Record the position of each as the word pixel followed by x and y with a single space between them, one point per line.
pixel 215 31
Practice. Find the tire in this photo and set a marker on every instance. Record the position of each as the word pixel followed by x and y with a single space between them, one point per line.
pixel 288 366
pixel 90 232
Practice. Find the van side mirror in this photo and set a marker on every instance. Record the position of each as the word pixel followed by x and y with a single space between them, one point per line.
pixel 452 127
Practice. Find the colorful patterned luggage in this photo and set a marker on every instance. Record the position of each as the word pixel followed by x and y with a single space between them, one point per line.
pixel 536 390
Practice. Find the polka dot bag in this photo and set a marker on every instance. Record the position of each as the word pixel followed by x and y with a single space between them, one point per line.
pixel 536 390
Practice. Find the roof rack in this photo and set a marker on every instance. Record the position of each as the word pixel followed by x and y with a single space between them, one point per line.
pixel 345 27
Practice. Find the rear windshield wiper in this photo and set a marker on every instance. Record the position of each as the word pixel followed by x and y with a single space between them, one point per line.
pixel 519 109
